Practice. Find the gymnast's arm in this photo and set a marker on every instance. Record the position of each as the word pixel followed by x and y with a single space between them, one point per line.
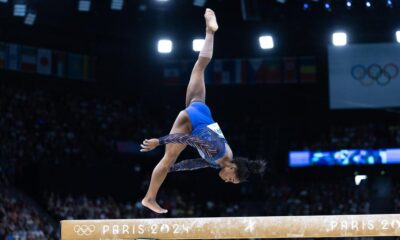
pixel 180 138
pixel 190 165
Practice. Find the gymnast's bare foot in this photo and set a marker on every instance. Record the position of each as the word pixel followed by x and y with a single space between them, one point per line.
pixel 153 205
pixel 211 21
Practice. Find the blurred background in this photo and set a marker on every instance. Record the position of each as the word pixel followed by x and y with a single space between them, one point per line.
pixel 310 86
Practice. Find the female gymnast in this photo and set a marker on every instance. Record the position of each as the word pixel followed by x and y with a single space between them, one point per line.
pixel 195 127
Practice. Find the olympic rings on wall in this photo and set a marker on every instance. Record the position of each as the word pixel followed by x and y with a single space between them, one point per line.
pixel 368 75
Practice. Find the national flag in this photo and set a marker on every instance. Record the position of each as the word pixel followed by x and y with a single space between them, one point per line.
pixel 245 76
pixel 270 71
pixel 225 72
pixel 28 59
pixel 88 68
pixel 217 73
pixel 253 67
pixel 59 63
pixel 172 73
pixel 75 66
pixel 208 73
pixel 3 54
pixel 308 69
pixel 290 70
pixel 229 71
pixel 237 79
pixel 44 58
pixel 13 57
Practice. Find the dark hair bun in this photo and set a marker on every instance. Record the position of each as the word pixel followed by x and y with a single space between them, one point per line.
pixel 246 167
pixel 257 167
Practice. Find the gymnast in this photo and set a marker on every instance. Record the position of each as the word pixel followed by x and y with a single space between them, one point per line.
pixel 195 127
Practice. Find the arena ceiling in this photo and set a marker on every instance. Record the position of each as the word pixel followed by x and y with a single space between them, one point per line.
pixel 59 24
pixel 150 14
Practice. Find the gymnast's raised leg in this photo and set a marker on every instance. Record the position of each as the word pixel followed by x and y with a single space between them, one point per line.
pixel 196 91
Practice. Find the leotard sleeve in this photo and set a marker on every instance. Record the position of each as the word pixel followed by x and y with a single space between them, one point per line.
pixel 190 164
pixel 206 147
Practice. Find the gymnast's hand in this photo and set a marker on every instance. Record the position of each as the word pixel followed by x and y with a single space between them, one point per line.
pixel 149 144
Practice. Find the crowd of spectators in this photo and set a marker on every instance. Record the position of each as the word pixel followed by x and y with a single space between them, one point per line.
pixel 84 207
pixel 316 199
pixel 21 218
pixel 31 130
pixel 365 136
pixel 279 199
pixel 396 197
pixel 39 126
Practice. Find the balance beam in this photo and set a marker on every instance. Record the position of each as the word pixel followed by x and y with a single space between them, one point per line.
pixel 234 227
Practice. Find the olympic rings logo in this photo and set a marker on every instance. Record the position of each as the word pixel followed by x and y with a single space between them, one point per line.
pixel 375 73
pixel 84 229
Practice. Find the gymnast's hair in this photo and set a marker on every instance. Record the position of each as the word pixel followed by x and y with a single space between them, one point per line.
pixel 246 167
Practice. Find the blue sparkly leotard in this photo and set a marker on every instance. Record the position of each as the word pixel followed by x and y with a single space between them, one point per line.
pixel 206 137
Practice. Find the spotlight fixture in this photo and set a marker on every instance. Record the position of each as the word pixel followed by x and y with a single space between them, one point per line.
pixel 197 44
pixel 306 6
pixel 199 3
pixel 368 4
pixel 266 42
pixel 164 46
pixel 30 17
pixel 389 3
pixel 328 6
pixel 84 5
pixel 339 39
pixel 117 4
pixel 20 8
pixel 349 4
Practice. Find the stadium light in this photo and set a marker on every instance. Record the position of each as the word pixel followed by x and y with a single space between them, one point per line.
pixel 30 17
pixel 368 4
pixel 84 5
pixel 349 4
pixel 359 178
pixel 266 42
pixel 164 46
pixel 328 6
pixel 199 3
pixel 117 4
pixel 339 39
pixel 198 44
pixel 20 8
pixel 389 3
pixel 398 36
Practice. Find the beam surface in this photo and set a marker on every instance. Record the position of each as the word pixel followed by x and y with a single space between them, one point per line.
pixel 234 227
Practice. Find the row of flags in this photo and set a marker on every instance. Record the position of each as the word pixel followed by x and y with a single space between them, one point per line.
pixel 246 71
pixel 46 61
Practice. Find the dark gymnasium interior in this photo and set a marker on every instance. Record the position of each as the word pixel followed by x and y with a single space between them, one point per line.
pixel 80 89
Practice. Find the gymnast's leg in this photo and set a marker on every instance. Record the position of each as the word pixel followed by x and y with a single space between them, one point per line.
pixel 196 90
pixel 172 151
